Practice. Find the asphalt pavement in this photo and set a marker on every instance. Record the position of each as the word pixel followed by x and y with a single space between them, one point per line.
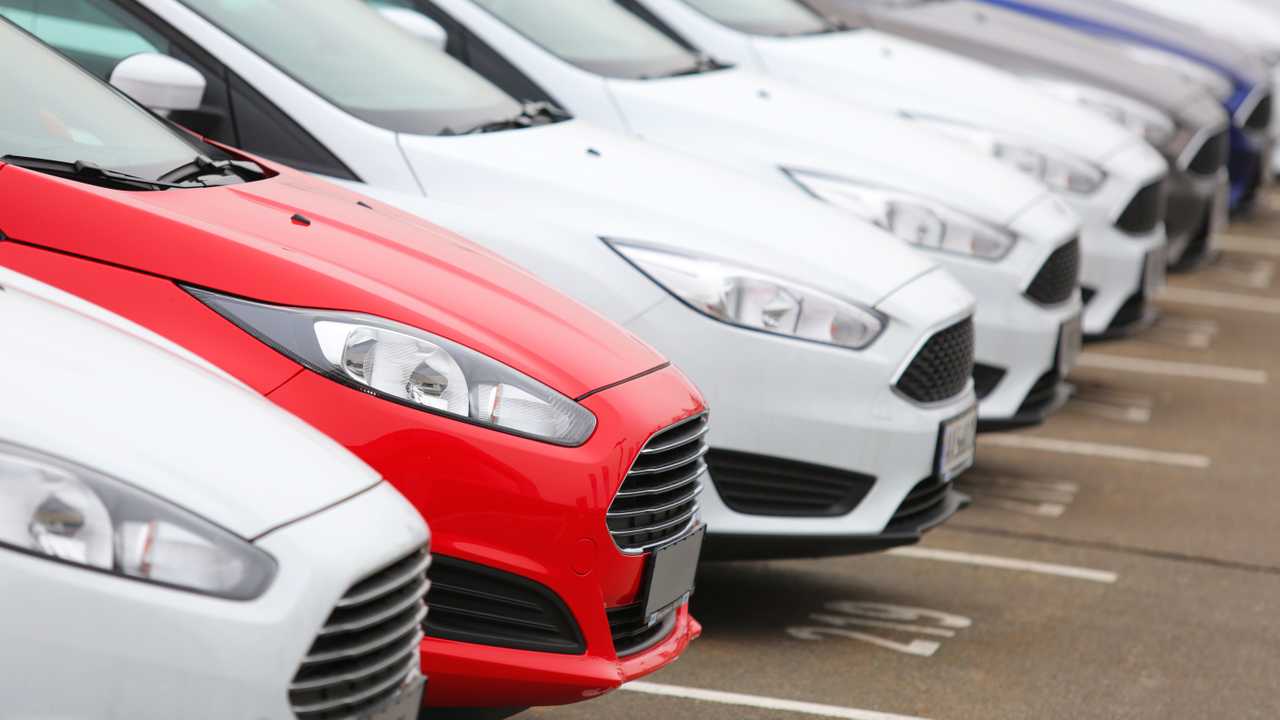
pixel 1121 561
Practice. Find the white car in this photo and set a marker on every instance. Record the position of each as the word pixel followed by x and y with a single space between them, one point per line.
pixel 1253 24
pixel 837 359
pixel 967 98
pixel 174 546
pixel 606 64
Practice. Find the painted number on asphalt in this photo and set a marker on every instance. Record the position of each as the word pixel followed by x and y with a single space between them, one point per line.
pixel 841 616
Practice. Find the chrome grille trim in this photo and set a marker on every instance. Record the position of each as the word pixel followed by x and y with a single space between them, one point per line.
pixel 658 499
pixel 369 646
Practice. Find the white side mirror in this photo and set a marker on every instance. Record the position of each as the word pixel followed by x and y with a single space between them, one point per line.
pixel 418 25
pixel 159 82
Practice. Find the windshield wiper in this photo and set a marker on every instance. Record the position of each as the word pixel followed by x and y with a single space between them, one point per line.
pixel 203 166
pixel 704 63
pixel 89 172
pixel 530 114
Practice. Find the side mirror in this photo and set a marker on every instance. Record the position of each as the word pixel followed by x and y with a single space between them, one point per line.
pixel 418 25
pixel 159 82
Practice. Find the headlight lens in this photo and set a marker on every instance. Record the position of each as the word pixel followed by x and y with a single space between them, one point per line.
pixel 411 367
pixel 913 219
pixel 63 511
pixel 754 299
pixel 1059 170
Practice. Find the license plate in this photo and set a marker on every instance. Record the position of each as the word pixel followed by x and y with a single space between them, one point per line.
pixel 957 445
pixel 674 567
pixel 1154 272
pixel 1070 343
pixel 405 705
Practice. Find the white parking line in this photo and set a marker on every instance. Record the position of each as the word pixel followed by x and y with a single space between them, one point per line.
pixel 1173 369
pixel 1214 299
pixel 1110 452
pixel 1251 245
pixel 1003 563
pixel 759 701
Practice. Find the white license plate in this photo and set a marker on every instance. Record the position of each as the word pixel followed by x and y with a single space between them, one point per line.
pixel 674 567
pixel 406 705
pixel 1154 273
pixel 1070 343
pixel 957 445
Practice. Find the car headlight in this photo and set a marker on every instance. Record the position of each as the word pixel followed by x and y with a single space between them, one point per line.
pixel 754 299
pixel 59 510
pixel 1155 126
pixel 1059 170
pixel 918 221
pixel 411 367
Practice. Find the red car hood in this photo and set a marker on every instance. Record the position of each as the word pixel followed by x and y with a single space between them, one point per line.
pixel 252 240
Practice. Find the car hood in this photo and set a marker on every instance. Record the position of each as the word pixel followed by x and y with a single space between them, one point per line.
pixel 890 73
pixel 1028 45
pixel 748 121
pixel 1127 23
pixel 609 186
pixel 180 429
pixel 297 240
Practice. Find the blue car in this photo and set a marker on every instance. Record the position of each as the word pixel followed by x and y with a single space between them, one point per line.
pixel 1248 97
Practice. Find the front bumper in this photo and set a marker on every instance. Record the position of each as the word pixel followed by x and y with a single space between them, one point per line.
pixel 96 645
pixel 1115 274
pixel 522 509
pixel 782 403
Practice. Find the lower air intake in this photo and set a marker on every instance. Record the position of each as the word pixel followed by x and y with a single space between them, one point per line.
pixel 477 604
pixel 764 485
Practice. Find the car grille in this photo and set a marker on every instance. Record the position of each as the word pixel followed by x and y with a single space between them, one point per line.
pixel 1212 155
pixel 763 485
pixel 942 368
pixel 368 646
pixel 658 499
pixel 477 604
pixel 633 632
pixel 1145 211
pixel 925 497
pixel 1057 280
pixel 1260 118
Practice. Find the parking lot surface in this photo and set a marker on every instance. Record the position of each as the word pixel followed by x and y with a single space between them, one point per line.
pixel 1122 561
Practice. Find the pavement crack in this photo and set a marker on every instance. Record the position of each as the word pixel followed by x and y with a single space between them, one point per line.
pixel 1118 548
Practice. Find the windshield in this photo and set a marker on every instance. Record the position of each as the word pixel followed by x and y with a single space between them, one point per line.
pixel 349 55
pixel 763 17
pixel 56 111
pixel 598 36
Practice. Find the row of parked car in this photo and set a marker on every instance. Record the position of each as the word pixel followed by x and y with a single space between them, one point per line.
pixel 280 279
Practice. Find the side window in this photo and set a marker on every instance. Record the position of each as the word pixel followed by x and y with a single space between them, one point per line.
pixel 265 130
pixel 94 33
pixel 469 49
pixel 98 34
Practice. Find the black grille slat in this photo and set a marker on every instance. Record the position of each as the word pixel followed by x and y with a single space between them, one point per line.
pixel 367 647
pixel 632 632
pixel 765 485
pixel 925 496
pixel 1059 276
pixel 658 499
pixel 478 604
pixel 1212 155
pixel 1145 211
pixel 943 367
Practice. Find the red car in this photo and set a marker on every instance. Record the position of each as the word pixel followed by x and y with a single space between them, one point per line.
pixel 556 457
